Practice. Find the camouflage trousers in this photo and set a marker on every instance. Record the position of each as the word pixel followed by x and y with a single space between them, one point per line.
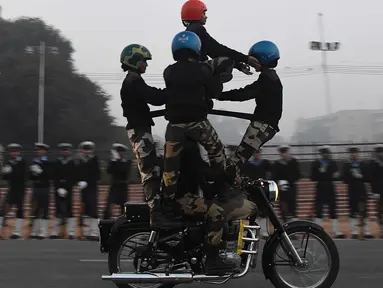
pixel 216 213
pixel 176 134
pixel 143 146
pixel 256 135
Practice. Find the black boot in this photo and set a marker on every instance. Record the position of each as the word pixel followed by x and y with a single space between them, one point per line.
pixel 217 264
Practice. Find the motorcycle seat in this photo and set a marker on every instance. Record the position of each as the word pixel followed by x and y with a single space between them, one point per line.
pixel 175 224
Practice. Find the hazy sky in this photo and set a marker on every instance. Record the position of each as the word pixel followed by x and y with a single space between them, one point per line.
pixel 99 30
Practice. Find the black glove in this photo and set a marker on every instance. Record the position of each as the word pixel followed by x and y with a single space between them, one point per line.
pixel 244 68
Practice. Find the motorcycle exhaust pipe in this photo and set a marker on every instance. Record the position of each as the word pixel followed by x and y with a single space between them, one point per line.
pixel 149 278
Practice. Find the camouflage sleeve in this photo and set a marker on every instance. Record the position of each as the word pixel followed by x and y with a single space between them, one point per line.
pixel 222 67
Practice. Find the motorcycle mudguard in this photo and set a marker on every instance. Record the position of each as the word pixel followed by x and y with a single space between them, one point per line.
pixel 104 227
pixel 122 225
pixel 268 252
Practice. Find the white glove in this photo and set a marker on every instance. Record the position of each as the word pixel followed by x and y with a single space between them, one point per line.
pixel 7 169
pixel 62 192
pixel 82 184
pixel 283 185
pixel 356 173
pixel 335 175
pixel 36 169
pixel 114 155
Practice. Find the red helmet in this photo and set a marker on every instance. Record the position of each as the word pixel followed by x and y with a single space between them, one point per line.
pixel 193 10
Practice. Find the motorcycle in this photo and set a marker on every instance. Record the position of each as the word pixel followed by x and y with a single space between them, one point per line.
pixel 167 256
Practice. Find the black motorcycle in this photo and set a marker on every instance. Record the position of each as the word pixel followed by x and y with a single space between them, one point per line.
pixel 170 256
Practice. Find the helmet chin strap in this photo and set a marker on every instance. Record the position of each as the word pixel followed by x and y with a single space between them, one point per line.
pixel 186 23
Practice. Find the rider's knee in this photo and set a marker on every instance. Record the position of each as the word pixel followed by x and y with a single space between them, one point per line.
pixel 247 209
pixel 215 213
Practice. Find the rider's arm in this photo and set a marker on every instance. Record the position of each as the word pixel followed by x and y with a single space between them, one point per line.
pixel 215 49
pixel 212 82
pixel 242 94
pixel 151 95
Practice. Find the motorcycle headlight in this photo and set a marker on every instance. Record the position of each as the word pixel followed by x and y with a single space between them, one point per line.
pixel 273 191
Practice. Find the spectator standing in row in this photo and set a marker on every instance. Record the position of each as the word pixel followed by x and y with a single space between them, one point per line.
pixel 119 169
pixel 286 173
pixel 14 172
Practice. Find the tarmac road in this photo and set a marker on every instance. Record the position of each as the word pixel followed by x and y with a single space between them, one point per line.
pixel 70 264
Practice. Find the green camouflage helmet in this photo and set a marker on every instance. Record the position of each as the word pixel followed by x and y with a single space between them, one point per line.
pixel 134 55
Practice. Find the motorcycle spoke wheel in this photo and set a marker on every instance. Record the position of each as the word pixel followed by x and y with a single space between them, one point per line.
pixel 126 254
pixel 314 251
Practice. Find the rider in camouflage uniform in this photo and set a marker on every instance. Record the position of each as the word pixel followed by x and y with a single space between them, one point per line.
pixel 135 96
pixel 228 205
pixel 267 91
pixel 191 85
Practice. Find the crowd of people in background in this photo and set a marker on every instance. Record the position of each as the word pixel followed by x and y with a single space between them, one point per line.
pixel 63 174
pixel 83 172
pixel 354 172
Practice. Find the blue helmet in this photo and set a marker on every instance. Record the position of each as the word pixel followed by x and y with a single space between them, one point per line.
pixel 186 40
pixel 265 51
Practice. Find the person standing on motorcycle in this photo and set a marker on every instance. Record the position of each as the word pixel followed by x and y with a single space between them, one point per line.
pixel 190 86
pixel 258 167
pixel 135 97
pixel 195 172
pixel 89 175
pixel 14 172
pixel 268 93
pixel 119 169
pixel 376 182
pixel 193 15
pixel 64 180
pixel 354 176
pixel 324 172
pixel 286 173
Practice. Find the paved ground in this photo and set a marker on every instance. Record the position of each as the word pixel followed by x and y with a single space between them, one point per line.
pixel 65 263
pixel 344 227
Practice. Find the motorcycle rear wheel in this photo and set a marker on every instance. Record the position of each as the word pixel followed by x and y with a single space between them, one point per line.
pixel 115 253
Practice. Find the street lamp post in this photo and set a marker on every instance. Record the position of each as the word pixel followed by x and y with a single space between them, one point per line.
pixel 324 47
pixel 42 49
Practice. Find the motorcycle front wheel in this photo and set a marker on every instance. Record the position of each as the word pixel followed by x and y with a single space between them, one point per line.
pixel 121 258
pixel 319 252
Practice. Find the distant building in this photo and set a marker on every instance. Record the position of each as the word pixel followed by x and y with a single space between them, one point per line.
pixel 350 126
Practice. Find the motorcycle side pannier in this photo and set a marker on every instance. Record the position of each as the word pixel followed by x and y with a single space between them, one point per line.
pixel 136 212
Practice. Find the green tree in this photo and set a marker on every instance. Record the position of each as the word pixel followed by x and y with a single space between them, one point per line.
pixel 75 107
